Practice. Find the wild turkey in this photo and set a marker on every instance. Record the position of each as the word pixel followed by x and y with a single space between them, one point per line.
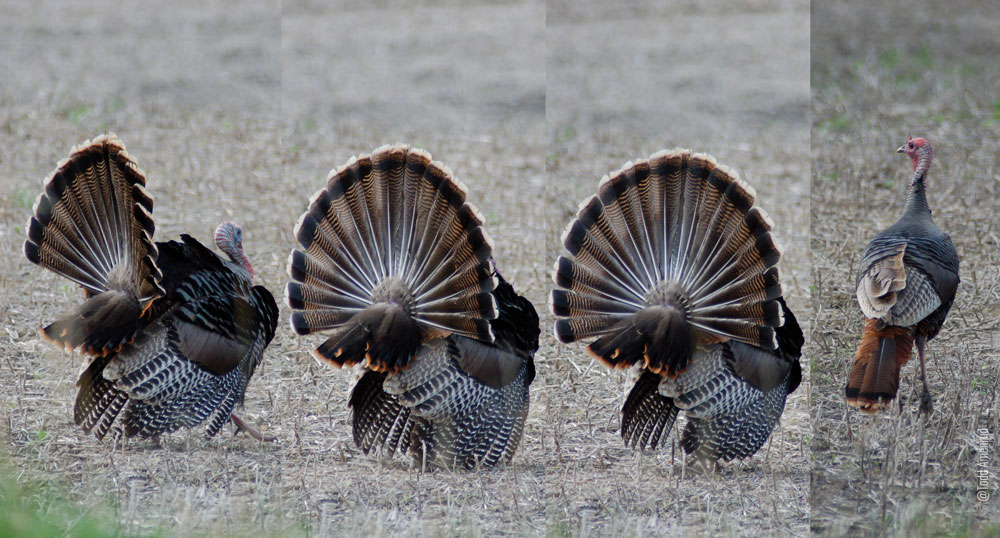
pixel 906 284
pixel 674 269
pixel 173 331
pixel 396 264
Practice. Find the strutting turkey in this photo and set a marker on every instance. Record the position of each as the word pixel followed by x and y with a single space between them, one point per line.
pixel 172 331
pixel 395 263
pixel 673 268
pixel 906 285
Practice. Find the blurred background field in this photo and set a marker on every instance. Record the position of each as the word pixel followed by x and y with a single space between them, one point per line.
pixel 239 110
pixel 881 71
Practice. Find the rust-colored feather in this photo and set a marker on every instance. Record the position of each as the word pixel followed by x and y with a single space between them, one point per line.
pixel 874 377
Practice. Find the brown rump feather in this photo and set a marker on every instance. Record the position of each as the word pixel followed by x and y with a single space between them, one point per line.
pixel 103 324
pixel 874 377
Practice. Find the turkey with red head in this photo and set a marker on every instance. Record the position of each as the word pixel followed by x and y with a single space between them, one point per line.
pixel 394 264
pixel 172 331
pixel 673 269
pixel 906 285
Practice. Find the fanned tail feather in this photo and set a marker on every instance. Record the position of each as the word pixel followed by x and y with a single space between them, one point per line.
pixel 671 249
pixel 389 255
pixel 874 377
pixel 93 225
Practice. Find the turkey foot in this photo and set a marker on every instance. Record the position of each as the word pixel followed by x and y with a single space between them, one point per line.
pixel 926 404
pixel 251 431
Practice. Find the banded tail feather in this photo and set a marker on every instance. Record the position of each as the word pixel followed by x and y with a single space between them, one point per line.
pixel 874 377
pixel 673 268
pixel 390 254
pixel 461 403
pixel 670 249
pixel 93 225
pixel 395 263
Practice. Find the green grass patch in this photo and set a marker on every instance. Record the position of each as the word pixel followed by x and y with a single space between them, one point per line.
pixel 889 58
pixel 77 113
pixel 558 529
pixel 566 134
pixel 924 57
pixel 906 80
pixel 25 198
pixel 837 123
pixel 968 71
pixel 30 509
pixel 308 125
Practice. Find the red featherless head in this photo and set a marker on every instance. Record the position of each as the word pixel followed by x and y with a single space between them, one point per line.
pixel 919 150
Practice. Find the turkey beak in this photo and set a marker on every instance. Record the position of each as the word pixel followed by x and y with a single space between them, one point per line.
pixel 902 149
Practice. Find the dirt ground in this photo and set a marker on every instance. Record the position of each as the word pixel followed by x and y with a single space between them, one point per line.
pixel 239 110
pixel 929 70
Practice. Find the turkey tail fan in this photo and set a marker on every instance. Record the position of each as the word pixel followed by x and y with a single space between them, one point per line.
pixel 94 226
pixel 670 249
pixel 389 255
pixel 874 377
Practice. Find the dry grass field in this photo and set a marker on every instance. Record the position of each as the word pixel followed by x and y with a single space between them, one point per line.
pixel 238 111
pixel 881 71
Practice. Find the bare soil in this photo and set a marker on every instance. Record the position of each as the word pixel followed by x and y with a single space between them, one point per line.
pixel 882 71
pixel 239 110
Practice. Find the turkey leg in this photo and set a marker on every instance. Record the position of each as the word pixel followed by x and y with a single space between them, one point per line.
pixel 251 431
pixel 926 405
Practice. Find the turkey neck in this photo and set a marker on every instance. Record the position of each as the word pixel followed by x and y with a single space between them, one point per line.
pixel 916 197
